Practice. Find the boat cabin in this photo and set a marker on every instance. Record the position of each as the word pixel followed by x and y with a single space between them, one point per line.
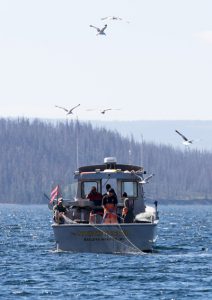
pixel 122 178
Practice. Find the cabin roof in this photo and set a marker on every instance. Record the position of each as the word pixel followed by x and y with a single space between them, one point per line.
pixel 102 167
pixel 104 171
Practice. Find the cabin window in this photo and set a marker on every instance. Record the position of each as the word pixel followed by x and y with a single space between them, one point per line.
pixel 130 187
pixel 86 187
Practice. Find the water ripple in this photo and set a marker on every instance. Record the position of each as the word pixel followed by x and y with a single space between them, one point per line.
pixel 179 267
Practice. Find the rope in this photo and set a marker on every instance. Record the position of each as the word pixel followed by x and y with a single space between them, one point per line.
pixel 106 181
pixel 139 250
pixel 134 247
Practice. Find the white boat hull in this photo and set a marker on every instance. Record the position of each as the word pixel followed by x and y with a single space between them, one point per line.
pixel 102 238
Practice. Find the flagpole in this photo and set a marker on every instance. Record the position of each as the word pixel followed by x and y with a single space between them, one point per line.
pixel 58 192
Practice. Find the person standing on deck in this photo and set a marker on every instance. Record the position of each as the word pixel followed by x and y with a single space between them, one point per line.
pixel 127 212
pixel 96 198
pixel 109 203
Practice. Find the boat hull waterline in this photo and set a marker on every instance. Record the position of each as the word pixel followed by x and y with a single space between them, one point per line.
pixel 105 238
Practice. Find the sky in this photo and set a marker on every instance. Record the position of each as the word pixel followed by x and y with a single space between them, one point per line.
pixel 156 66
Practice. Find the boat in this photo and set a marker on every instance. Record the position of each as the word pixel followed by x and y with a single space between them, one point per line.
pixel 83 230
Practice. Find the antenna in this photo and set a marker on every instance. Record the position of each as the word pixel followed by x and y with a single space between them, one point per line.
pixel 142 150
pixel 130 156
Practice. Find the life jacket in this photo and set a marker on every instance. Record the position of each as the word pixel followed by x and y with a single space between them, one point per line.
pixel 110 216
pixel 124 211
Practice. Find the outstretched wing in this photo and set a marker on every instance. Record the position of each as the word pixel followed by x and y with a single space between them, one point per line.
pixel 98 29
pixel 145 180
pixel 106 18
pixel 185 138
pixel 74 107
pixel 103 29
pixel 148 178
pixel 62 108
pixel 112 18
pixel 104 110
pixel 91 109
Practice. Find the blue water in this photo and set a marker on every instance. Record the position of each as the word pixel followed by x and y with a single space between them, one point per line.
pixel 179 268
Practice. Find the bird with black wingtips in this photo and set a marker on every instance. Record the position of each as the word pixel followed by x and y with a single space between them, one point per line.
pixel 186 141
pixel 146 180
pixel 102 111
pixel 69 111
pixel 100 31
pixel 114 18
pixel 107 109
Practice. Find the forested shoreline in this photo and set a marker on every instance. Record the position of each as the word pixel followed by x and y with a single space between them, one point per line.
pixel 37 155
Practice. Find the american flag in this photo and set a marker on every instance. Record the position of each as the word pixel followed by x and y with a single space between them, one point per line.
pixel 54 193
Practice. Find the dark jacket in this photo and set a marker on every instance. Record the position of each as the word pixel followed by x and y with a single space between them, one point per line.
pixel 109 199
pixel 60 208
pixel 95 197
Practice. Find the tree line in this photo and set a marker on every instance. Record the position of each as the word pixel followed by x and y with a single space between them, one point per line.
pixel 37 155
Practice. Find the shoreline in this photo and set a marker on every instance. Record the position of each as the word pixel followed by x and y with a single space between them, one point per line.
pixel 182 202
pixel 147 201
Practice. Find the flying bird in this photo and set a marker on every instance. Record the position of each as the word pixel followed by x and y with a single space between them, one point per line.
pixel 186 141
pixel 69 111
pixel 107 109
pixel 113 18
pixel 103 111
pixel 146 180
pixel 143 180
pixel 100 31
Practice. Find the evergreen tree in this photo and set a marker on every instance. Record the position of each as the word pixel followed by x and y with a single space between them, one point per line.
pixel 35 156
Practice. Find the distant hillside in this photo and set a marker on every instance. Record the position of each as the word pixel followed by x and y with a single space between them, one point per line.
pixel 37 155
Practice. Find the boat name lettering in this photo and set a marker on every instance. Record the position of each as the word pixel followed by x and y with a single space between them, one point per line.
pixel 101 233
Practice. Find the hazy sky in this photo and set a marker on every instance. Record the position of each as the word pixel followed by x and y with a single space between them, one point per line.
pixel 158 66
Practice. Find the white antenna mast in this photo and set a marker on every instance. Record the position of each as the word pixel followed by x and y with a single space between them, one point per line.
pixel 142 150
pixel 130 156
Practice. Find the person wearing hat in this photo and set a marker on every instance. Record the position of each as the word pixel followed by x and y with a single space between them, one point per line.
pixel 59 211
pixel 109 202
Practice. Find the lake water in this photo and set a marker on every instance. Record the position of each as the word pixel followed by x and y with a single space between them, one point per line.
pixel 179 268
